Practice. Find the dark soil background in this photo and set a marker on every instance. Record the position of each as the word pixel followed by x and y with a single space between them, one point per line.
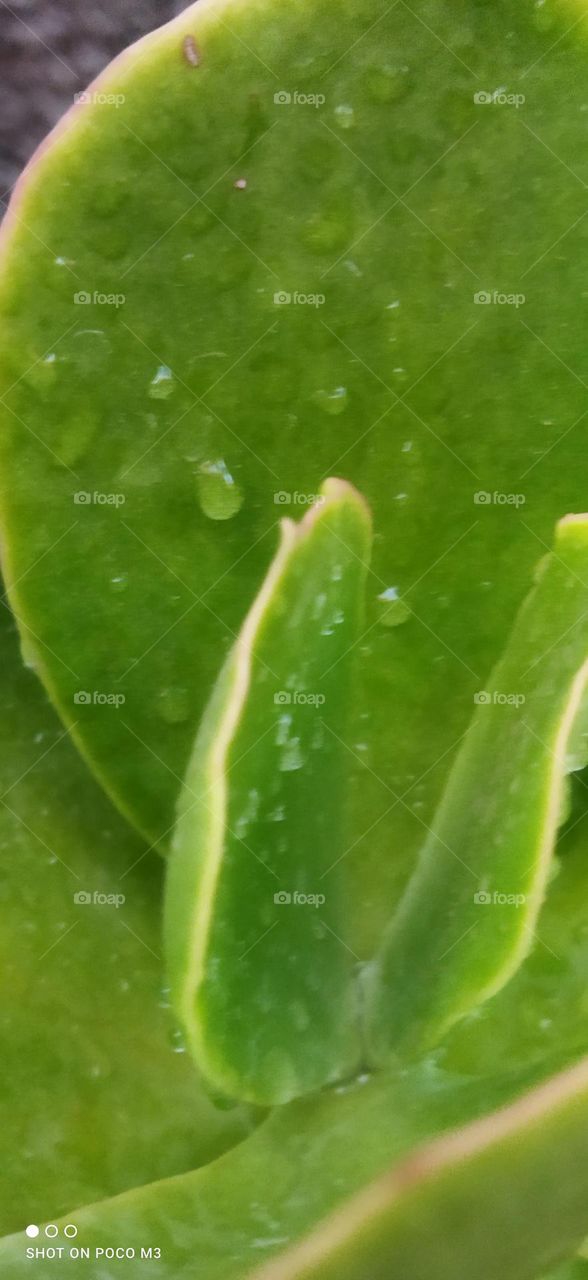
pixel 49 50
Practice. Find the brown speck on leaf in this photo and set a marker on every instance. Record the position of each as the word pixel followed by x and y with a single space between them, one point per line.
pixel 191 51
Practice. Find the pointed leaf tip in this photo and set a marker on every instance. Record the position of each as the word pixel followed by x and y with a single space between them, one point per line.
pixel 261 974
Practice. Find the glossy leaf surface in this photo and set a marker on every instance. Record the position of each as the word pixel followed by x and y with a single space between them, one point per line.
pixel 398 199
pixel 469 915
pixel 457 1207
pixel 260 972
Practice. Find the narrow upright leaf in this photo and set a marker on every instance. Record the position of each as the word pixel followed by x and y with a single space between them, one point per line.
pixel 469 915
pixel 261 975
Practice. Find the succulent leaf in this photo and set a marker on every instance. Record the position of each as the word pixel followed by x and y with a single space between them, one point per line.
pixel 260 971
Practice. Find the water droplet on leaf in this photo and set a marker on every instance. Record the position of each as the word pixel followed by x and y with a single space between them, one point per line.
pixel 162 384
pixel 332 402
pixel 219 496
pixel 344 116
pixel 394 611
pixel 177 1041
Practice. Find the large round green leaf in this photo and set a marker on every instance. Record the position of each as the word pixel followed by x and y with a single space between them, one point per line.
pixel 239 158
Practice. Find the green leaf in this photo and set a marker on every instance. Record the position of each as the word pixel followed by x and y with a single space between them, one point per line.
pixel 457 1208
pixel 139 199
pixel 504 1196
pixel 469 914
pixel 261 975
pixel 541 1013
pixel 97 1096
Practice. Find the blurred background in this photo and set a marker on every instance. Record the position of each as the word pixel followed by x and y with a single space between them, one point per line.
pixel 49 50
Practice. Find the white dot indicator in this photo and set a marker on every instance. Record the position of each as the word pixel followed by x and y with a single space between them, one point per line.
pixel 31 1231
pixel 70 1230
pixel 52 1230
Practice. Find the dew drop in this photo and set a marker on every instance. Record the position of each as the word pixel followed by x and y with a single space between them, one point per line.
pixel 291 757
pixel 89 350
pixel 543 16
pixel 41 375
pixel 219 496
pixel 119 582
pixel 162 385
pixel 177 1041
pixel 394 611
pixel 278 814
pixel 247 816
pixel 332 402
pixel 27 651
pixel 344 116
